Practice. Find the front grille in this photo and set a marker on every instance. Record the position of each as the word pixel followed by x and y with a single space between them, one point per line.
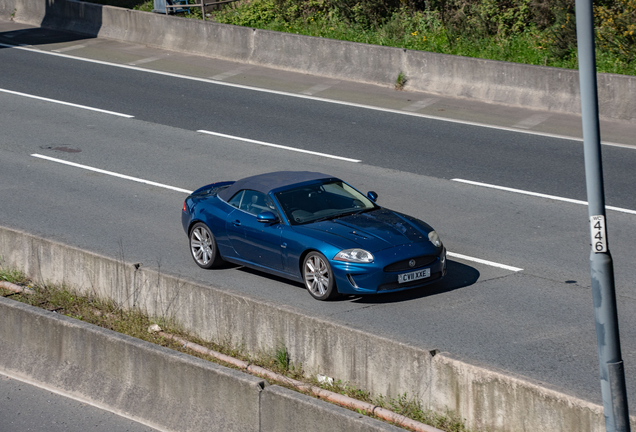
pixel 420 261
pixel 396 285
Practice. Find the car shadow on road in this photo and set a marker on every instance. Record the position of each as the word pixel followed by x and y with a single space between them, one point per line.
pixel 263 274
pixel 458 276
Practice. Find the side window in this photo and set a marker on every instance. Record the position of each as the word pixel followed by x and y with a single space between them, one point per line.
pixel 236 199
pixel 256 202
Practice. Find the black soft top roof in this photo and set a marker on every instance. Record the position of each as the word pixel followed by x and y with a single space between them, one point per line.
pixel 269 181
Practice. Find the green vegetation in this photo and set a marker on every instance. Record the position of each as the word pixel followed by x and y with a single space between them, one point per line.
pixel 134 322
pixel 538 32
pixel 412 408
pixel 400 82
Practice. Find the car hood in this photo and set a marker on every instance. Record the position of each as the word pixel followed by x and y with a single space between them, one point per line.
pixel 373 231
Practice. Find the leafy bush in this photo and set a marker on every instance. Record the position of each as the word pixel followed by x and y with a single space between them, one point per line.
pixel 616 28
pixel 252 14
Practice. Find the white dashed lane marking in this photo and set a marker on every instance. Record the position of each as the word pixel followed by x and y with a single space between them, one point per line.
pixel 65 103
pixel 247 140
pixel 540 195
pixel 481 261
pixel 111 173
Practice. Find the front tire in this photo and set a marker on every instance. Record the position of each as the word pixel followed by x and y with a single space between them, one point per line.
pixel 203 247
pixel 318 276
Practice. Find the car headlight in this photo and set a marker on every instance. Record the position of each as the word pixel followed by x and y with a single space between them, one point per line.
pixel 354 255
pixel 434 238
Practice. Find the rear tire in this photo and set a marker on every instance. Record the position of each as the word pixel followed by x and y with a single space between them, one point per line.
pixel 203 247
pixel 318 277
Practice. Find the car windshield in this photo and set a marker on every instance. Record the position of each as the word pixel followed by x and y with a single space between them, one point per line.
pixel 317 202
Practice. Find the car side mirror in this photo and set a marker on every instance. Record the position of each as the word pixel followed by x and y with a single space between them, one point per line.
pixel 267 217
pixel 372 196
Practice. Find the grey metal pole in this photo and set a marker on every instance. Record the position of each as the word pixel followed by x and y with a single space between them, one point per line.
pixel 607 336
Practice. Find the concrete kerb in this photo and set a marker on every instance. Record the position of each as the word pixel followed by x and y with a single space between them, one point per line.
pixel 486 398
pixel 535 87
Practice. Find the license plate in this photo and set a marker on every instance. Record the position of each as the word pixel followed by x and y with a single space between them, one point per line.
pixel 420 274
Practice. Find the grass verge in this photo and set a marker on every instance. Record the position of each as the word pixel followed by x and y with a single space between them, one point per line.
pixel 135 323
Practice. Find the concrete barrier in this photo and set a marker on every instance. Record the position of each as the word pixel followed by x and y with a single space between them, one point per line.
pixel 486 398
pixel 284 410
pixel 512 84
pixel 146 382
pixel 495 400
pixel 157 386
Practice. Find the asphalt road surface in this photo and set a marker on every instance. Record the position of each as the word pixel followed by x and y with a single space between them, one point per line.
pixel 524 305
pixel 25 407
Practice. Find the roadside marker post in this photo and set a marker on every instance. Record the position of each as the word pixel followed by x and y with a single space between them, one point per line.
pixel 612 371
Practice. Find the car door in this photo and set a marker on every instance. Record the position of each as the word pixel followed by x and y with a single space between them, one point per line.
pixel 254 241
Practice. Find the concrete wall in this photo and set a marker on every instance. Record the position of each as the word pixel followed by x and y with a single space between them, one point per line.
pixel 512 84
pixel 486 398
pixel 495 400
pixel 6 9
pixel 157 386
pixel 141 380
pixel 285 410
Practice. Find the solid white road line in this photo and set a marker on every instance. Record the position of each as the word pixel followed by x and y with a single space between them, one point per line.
pixel 151 183
pixel 65 103
pixel 110 173
pixel 481 261
pixel 279 146
pixel 540 195
pixel 316 98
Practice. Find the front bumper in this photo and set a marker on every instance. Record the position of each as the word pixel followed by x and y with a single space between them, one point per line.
pixel 374 278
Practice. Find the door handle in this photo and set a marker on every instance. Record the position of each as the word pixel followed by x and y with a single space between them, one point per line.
pixel 237 223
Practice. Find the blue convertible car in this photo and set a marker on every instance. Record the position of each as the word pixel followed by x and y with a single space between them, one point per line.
pixel 312 228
